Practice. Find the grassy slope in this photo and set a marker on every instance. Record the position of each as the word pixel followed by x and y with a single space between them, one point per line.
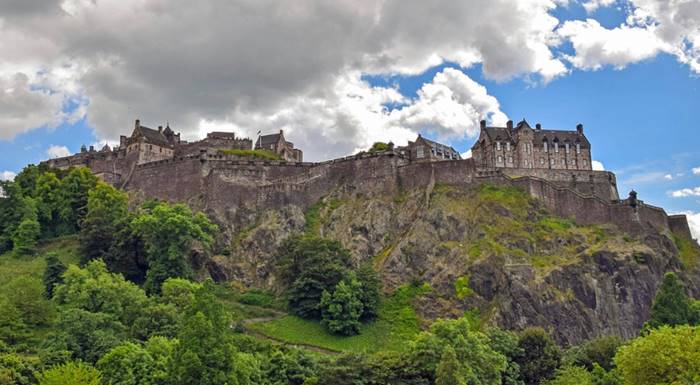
pixel 397 323
pixel 12 266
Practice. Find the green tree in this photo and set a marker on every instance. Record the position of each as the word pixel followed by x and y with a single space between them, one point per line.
pixel 448 371
pixel 341 310
pixel 289 367
pixel 204 355
pixel 11 213
pixel 17 370
pixel 107 213
pixel 599 351
pixel 179 292
pixel 571 375
pixel 506 343
pixel 87 336
pixel 368 295
pixel 127 364
pixel 26 294
pixel 73 373
pixel 665 355
pixel 13 330
pixel 74 197
pixel 380 146
pixel 540 358
pixel 671 306
pixel 96 290
pixel 49 204
pixel 169 232
pixel 53 274
pixel 479 363
pixel 25 236
pixel 309 266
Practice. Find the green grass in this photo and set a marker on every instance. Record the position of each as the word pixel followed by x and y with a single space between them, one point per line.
pixel 688 251
pixel 261 154
pixel 11 266
pixel 462 288
pixel 397 324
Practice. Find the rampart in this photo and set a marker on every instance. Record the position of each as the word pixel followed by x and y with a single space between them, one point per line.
pixel 228 185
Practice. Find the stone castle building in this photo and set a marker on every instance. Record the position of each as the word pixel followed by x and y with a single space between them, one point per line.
pixel 551 165
pixel 277 144
pixel 521 146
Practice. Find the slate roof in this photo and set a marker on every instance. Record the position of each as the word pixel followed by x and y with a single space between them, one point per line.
pixel 562 136
pixel 435 144
pixel 266 140
pixel 153 136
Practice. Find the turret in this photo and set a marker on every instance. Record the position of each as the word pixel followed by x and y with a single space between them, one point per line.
pixel 579 128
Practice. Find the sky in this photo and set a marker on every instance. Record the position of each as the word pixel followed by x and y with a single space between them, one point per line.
pixel 338 76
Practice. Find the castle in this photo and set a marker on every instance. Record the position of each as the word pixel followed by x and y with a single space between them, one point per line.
pixel 551 165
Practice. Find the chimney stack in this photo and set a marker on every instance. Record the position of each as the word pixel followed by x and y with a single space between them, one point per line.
pixel 160 128
pixel 137 124
pixel 482 123
pixel 579 128
pixel 509 124
pixel 538 126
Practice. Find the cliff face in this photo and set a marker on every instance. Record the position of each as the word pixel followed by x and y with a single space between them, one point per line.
pixel 493 251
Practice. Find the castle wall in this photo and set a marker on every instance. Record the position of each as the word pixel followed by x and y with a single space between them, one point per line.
pixel 599 183
pixel 679 226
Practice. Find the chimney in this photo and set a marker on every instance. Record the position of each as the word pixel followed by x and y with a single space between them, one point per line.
pixel 579 128
pixel 538 126
pixel 92 148
pixel 509 124
pixel 137 124
pixel 482 124
pixel 160 128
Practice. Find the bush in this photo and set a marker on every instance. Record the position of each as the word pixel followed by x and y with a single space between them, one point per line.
pixel 540 356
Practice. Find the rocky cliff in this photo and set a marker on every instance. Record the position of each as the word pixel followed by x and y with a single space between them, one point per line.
pixel 494 251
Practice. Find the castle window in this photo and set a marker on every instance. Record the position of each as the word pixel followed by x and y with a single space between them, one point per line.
pixel 419 152
pixel 551 161
pixel 578 148
pixel 556 146
pixel 567 148
pixel 500 159
pixel 510 159
pixel 528 148
pixel 585 163
pixel 542 161
pixel 507 146
pixel 498 146
pixel 546 146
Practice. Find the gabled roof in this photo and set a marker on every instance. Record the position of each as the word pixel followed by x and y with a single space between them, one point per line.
pixel 561 136
pixel 266 140
pixel 152 136
pixel 505 134
pixel 435 144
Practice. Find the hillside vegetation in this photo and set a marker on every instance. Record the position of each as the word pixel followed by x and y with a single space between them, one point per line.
pixel 448 286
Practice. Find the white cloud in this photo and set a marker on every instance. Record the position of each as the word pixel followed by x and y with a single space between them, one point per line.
pixel 467 154
pixel 686 192
pixel 593 5
pixel 220 60
pixel 668 177
pixel 696 171
pixel 55 151
pixel 652 27
pixel 693 223
pixel 353 115
pixel 597 46
pixel 7 175
pixel 597 166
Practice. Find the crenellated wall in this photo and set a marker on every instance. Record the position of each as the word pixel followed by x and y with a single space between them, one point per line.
pixel 227 185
